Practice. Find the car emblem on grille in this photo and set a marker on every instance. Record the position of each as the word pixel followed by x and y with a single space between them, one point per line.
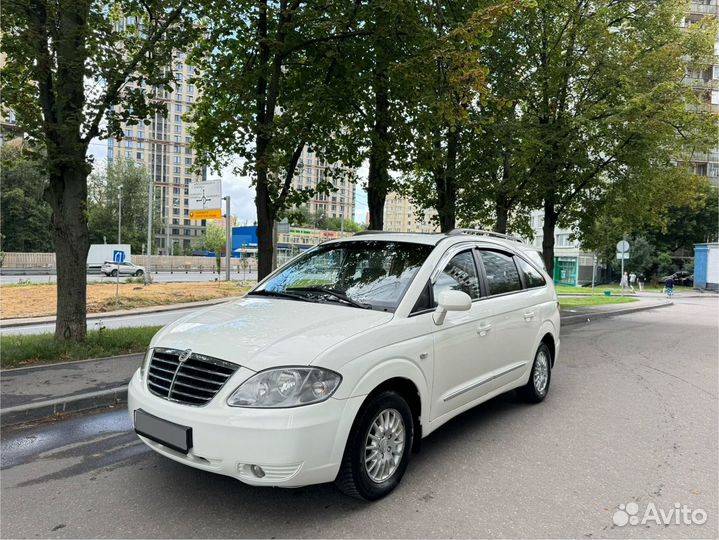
pixel 185 355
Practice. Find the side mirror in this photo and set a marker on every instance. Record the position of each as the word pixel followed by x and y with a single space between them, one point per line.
pixel 451 301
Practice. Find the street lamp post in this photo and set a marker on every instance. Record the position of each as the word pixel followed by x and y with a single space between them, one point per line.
pixel 119 216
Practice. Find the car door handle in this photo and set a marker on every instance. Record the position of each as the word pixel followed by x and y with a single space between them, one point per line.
pixel 528 315
pixel 483 329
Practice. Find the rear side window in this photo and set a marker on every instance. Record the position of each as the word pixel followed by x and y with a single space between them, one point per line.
pixel 532 277
pixel 460 274
pixel 502 274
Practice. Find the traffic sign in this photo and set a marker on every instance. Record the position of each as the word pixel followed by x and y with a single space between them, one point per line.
pixel 206 199
pixel 118 256
pixel 622 246
pixel 623 256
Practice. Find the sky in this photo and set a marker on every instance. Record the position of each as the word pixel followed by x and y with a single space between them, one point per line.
pixel 242 194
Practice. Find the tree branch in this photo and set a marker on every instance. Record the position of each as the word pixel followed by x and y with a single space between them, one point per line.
pixel 115 86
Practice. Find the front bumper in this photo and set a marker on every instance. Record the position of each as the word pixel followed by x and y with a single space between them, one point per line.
pixel 294 447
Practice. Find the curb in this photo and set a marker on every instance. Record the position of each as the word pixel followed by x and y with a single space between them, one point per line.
pixel 46 409
pixel 28 321
pixel 589 317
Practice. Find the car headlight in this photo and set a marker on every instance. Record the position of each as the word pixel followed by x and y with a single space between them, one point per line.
pixel 285 387
pixel 145 363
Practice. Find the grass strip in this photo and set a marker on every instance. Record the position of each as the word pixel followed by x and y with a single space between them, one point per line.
pixel 25 350
pixel 589 301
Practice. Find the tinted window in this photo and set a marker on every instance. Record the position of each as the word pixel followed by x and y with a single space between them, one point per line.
pixel 502 275
pixel 532 277
pixel 460 274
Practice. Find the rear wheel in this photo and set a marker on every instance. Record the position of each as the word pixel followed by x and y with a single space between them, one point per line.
pixel 378 448
pixel 113 273
pixel 538 385
pixel 139 273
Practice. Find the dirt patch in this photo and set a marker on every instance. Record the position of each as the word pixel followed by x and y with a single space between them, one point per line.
pixel 40 300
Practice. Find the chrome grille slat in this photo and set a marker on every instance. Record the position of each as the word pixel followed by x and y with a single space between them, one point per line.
pixel 199 389
pixel 155 375
pixel 195 378
pixel 195 381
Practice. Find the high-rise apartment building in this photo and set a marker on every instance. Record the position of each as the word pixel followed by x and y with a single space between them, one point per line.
pixel 706 85
pixel 310 170
pixel 400 215
pixel 164 148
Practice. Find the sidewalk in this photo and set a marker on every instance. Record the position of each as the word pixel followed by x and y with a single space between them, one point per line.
pixel 586 314
pixel 39 392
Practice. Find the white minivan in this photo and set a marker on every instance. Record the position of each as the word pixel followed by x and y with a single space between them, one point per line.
pixel 337 364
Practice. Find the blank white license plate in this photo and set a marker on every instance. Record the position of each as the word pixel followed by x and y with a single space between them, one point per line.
pixel 172 435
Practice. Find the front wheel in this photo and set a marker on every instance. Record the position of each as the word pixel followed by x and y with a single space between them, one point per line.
pixel 113 273
pixel 538 385
pixel 139 273
pixel 378 448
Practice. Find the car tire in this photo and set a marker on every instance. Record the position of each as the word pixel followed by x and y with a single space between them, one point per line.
pixel 139 273
pixel 371 476
pixel 113 273
pixel 537 386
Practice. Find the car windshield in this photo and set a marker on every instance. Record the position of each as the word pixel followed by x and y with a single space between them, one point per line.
pixel 366 273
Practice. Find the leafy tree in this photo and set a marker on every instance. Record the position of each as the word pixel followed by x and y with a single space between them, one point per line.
pixel 450 85
pixel 266 69
pixel 605 103
pixel 132 182
pixel 216 240
pixel 25 216
pixel 70 65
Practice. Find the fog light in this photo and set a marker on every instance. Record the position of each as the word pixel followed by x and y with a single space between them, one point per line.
pixel 257 471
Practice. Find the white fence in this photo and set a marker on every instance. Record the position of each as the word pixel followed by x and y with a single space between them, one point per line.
pixel 161 263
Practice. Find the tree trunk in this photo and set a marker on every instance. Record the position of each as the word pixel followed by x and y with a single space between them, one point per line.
pixel 503 204
pixel 550 221
pixel 502 211
pixel 265 225
pixel 378 182
pixel 446 183
pixel 67 196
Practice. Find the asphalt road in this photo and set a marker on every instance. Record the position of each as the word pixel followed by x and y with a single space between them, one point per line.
pixel 161 277
pixel 631 418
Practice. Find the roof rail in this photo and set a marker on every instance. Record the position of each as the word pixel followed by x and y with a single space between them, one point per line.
pixel 481 232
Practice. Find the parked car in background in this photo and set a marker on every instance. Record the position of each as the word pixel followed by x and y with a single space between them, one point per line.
pixel 110 268
pixel 683 278
pixel 98 254
pixel 338 363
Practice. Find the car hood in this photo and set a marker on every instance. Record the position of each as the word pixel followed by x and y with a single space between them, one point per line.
pixel 259 333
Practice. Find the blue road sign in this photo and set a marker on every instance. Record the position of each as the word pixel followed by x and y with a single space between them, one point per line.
pixel 118 256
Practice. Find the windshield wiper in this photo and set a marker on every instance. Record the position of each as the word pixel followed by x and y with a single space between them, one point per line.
pixel 280 295
pixel 332 292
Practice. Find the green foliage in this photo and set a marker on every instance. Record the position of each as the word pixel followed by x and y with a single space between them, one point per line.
pixel 132 182
pixel 22 350
pixel 215 240
pixel 24 214
pixel 302 217
pixel 665 264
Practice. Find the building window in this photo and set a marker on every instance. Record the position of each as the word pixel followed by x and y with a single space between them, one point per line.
pixel 176 191
pixel 140 156
pixel 188 161
pixel 176 170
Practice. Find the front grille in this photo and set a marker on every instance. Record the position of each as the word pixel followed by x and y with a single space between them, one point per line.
pixel 194 382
